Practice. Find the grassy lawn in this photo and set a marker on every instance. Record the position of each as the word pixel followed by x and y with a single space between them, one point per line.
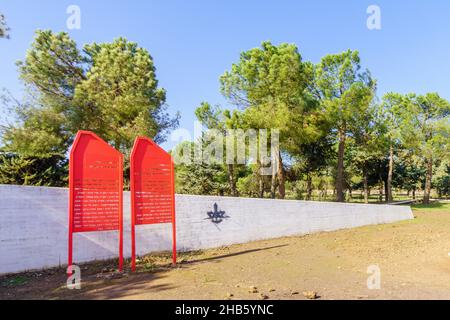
pixel 432 207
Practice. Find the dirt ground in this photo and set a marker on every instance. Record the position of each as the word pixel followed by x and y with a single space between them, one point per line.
pixel 413 257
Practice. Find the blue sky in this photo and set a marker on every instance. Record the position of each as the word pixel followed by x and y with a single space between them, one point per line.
pixel 194 42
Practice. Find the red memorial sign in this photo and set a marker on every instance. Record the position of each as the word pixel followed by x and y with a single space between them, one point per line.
pixel 95 188
pixel 152 189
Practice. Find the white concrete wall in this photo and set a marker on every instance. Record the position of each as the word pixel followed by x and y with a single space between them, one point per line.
pixel 33 225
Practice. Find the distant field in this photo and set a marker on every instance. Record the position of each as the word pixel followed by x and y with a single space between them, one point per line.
pixel 359 198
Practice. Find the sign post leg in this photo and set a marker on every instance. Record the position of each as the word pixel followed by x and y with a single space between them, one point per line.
pixel 121 249
pixel 174 229
pixel 133 247
pixel 121 214
pixel 133 214
pixel 174 245
pixel 69 255
pixel 70 233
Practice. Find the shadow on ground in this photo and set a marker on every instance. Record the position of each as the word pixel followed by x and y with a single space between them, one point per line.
pixel 101 281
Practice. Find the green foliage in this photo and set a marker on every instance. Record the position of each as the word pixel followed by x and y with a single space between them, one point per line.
pixel 345 94
pixel 4 29
pixel 270 74
pixel 109 88
pixel 270 84
pixel 49 171
pixel 427 128
pixel 211 116
pixel 442 179
pixel 332 127
pixel 393 113
pixel 248 186
pixel 343 89
pixel 198 178
pixel 409 173
pixel 427 131
pixel 201 179
pixel 315 156
pixel 248 183
pixel 120 97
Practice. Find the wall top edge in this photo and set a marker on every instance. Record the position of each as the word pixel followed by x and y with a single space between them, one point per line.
pixel 217 198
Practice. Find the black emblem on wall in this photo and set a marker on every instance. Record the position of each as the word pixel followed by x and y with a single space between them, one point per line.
pixel 216 216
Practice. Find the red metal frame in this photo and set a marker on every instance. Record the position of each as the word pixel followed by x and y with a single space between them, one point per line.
pixel 133 220
pixel 174 231
pixel 72 166
pixel 144 156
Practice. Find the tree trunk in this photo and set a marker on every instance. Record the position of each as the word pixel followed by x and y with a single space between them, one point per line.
pixel 273 187
pixel 390 198
pixel 385 191
pixel 380 188
pixel 273 184
pixel 232 181
pixel 261 186
pixel 340 168
pixel 281 177
pixel 260 180
pixel 366 187
pixel 414 194
pixel 308 186
pixel 429 176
